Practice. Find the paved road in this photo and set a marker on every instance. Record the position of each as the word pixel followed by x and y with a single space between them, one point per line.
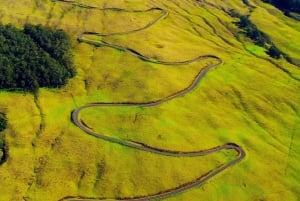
pixel 141 146
pixel 147 148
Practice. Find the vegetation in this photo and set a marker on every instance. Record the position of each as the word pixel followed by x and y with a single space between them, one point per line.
pixel 246 2
pixel 3 123
pixel 2 144
pixel 286 5
pixel 274 52
pixel 252 31
pixel 1 151
pixel 34 57
pixel 258 37
pixel 54 42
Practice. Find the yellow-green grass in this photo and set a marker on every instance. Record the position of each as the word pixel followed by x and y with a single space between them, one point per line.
pixel 283 31
pixel 247 100
pixel 21 132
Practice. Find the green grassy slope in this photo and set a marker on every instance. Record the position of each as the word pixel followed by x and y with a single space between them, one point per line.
pixel 251 100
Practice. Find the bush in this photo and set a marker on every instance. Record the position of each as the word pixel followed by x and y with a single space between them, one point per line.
pixel 246 2
pixel 2 151
pixel 274 52
pixel 3 123
pixel 244 22
pixel 1 143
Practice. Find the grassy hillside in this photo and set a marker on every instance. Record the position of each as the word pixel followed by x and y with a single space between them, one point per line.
pixel 251 99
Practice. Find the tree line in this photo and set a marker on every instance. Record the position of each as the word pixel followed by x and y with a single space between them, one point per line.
pixel 286 5
pixel 258 37
pixel 34 57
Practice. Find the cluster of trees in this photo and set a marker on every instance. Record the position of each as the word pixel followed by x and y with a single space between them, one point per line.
pixel 258 37
pixel 286 5
pixel 34 57
pixel 56 43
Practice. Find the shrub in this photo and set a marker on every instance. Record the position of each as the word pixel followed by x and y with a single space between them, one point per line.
pixel 274 52
pixel 3 123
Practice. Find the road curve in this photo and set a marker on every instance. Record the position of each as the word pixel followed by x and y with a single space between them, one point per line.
pixel 161 16
pixel 141 146
pixel 144 147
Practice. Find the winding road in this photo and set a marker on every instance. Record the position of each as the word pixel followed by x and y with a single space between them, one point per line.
pixel 141 146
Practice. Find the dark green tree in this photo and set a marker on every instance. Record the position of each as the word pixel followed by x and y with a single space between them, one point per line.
pixel 244 21
pixel 274 52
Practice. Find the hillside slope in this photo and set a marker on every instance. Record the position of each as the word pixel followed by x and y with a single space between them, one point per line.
pixel 250 99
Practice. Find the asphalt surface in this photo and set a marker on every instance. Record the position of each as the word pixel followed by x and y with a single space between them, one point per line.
pixel 138 145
